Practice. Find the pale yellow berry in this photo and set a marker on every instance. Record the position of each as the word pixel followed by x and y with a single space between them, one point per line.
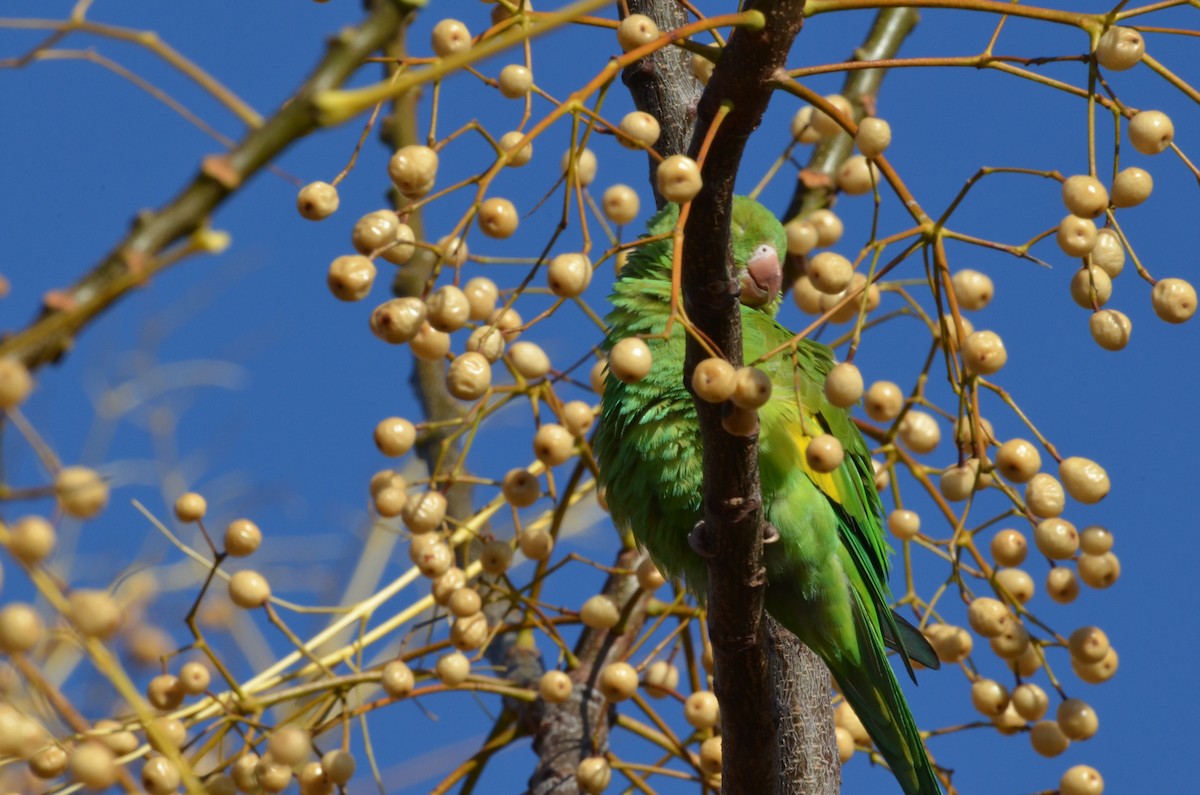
pixel 395 436
pixel 593 775
pixel 801 237
pixel 1056 538
pixel 989 617
pixel 947 331
pixel 338 766
pixel 984 353
pixel 497 218
pixel 1084 196
pixel 515 81
pixel 1091 287
pixel 488 342
pixel 194 678
pixel 1174 300
pixel 904 524
pixel 32 539
pixel 242 772
pixel 242 538
pixel 869 297
pixel 1084 479
pixel 829 272
pixel 1131 187
pixel 1017 583
pixel 397 679
pixel 453 669
pixel 1081 780
pixel 1076 236
pixel 825 124
pixel 1088 645
pixel 520 488
pixel 374 231
pixel 919 431
pixel 553 444
pixel 450 37
pixel 845 717
pixel 555 687
pixel 424 513
pixel 1120 48
pixel 640 130
pixel 660 678
pixel 413 169
pixel 807 297
pixel 1151 131
pixel 824 453
pixel 951 644
pixel 399 320
pixel 752 388
pixel 517 157
pixel 829 227
pixel 190 507
pixel 1098 673
pixel 1009 721
pixel 1110 329
pixel 874 136
pixel 94 613
pixel 316 201
pixel 495 557
pixel 1095 540
pixel 711 756
pixel 883 401
pixel 312 780
pixel 351 277
pixel 1099 571
pixel 701 68
pixel 989 696
pixel 1109 253
pixel 92 765
pixel 882 475
pixel 49 762
pixel 402 248
pixel 535 544
pixel 482 295
pixel 1061 585
pixel 630 360
pixel 678 179
pixel 464 602
pixel 621 204
pixel 248 589
pixel 857 176
pixel 469 376
pixel 618 681
pixel 1044 496
pixel 597 376
pixel 1030 701
pixel 1009 548
pixel 429 344
pixel 1077 719
pixel 444 586
pixel 636 30
pixel 1048 739
pixel 1018 460
pixel 584 163
pixel 802 127
pixel 469 632
pixel 577 417
pixel 649 578
pixel 844 385
pixel 600 612
pixel 958 482
pixel 289 745
pixel 529 360
pixel 965 432
pixel 701 710
pixel 15 383
pixel 81 492
pixel 568 275
pixel 973 290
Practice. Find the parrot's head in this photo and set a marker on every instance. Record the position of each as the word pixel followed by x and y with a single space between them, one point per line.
pixel 759 244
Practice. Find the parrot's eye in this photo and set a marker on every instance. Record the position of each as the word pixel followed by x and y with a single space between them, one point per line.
pixel 764 250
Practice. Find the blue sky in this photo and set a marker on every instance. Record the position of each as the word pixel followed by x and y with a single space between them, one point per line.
pixel 289 382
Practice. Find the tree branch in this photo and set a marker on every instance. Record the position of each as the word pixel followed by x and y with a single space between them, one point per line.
pixel 136 258
pixel 732 499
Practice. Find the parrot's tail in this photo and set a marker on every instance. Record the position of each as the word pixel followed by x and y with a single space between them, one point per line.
pixel 871 689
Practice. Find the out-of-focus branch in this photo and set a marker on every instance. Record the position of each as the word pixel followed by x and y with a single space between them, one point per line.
pixel 140 255
pixel 815 188
pixel 733 517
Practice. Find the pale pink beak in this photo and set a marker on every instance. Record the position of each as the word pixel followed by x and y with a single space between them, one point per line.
pixel 763 278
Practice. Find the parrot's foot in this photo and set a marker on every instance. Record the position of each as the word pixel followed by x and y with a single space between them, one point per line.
pixel 770 533
pixel 700 542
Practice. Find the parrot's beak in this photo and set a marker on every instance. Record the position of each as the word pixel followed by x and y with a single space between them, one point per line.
pixel 762 280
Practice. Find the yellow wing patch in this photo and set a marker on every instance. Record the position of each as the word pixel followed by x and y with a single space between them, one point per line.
pixel 827 482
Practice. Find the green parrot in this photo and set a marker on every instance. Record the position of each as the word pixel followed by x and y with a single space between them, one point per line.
pixel 827 566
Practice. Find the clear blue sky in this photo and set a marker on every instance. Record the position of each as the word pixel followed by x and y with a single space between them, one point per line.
pixel 290 382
